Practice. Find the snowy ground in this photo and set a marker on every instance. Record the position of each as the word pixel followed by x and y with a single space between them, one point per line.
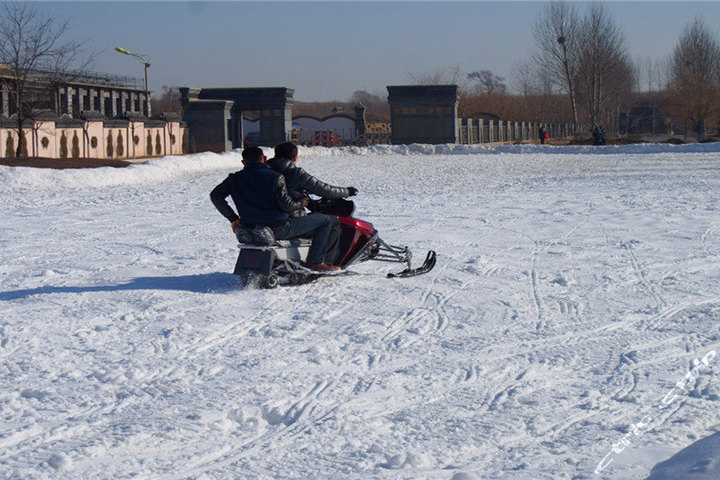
pixel 574 289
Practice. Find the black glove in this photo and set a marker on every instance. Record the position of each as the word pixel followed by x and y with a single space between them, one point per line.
pixel 352 191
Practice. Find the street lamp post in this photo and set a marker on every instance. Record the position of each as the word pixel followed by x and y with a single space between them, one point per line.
pixel 147 65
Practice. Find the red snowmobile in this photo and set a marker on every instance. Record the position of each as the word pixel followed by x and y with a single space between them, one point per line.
pixel 265 261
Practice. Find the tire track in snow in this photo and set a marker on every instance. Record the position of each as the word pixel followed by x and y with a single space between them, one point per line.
pixel 395 337
pixel 261 318
pixel 396 327
pixel 579 225
pixel 294 418
pixel 36 444
pixel 545 343
pixel 534 285
pixel 283 428
pixel 413 322
pixel 232 333
pixel 437 309
pixel 542 247
pixel 659 320
pixel 708 233
pixel 640 272
pixel 577 419
pixel 97 419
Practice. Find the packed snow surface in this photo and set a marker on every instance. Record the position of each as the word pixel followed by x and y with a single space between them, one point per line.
pixel 570 326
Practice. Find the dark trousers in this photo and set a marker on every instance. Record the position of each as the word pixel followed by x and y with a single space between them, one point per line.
pixel 324 230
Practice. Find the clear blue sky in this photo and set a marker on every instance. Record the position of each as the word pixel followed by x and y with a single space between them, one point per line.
pixel 327 50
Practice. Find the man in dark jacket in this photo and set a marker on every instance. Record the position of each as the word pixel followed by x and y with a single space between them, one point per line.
pixel 261 198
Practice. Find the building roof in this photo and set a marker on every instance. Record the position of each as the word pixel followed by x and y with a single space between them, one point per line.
pixel 90 79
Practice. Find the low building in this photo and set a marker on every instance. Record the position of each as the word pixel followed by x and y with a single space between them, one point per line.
pixel 87 116
pixel 645 118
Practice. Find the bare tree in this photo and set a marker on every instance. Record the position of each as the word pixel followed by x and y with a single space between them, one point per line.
pixel 524 78
pixel 650 74
pixel 556 39
pixel 168 101
pixel 366 98
pixel 378 109
pixel 361 96
pixel 37 59
pixel 620 93
pixel 694 73
pixel 603 65
pixel 541 100
pixel 452 75
pixel 487 82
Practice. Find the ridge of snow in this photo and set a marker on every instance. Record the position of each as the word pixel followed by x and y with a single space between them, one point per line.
pixel 15 179
pixel 458 149
pixel 18 179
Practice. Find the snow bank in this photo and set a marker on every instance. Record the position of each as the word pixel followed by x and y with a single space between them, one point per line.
pixel 454 149
pixel 15 179
pixel 699 461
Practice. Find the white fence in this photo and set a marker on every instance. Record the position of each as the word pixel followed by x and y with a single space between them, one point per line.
pixel 473 131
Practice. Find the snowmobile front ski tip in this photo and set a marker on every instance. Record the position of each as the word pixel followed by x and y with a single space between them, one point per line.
pixel 427 265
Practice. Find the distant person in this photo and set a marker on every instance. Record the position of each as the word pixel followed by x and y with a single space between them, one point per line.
pixel 542 135
pixel 262 199
pixel 598 135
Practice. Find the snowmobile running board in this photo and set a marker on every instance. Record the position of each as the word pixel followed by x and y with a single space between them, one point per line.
pixel 427 265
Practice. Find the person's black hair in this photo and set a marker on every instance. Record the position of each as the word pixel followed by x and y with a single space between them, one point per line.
pixel 286 150
pixel 252 154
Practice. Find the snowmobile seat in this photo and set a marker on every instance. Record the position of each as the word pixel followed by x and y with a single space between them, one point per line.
pixel 293 242
pixel 262 236
pixel 258 235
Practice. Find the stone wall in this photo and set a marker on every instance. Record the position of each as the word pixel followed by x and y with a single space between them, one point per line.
pixel 344 126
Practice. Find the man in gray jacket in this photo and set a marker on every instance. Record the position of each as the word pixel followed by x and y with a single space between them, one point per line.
pixel 300 184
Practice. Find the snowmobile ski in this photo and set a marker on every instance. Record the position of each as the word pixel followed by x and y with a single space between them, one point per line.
pixel 427 265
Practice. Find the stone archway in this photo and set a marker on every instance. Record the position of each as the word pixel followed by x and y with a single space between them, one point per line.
pixel 214 115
